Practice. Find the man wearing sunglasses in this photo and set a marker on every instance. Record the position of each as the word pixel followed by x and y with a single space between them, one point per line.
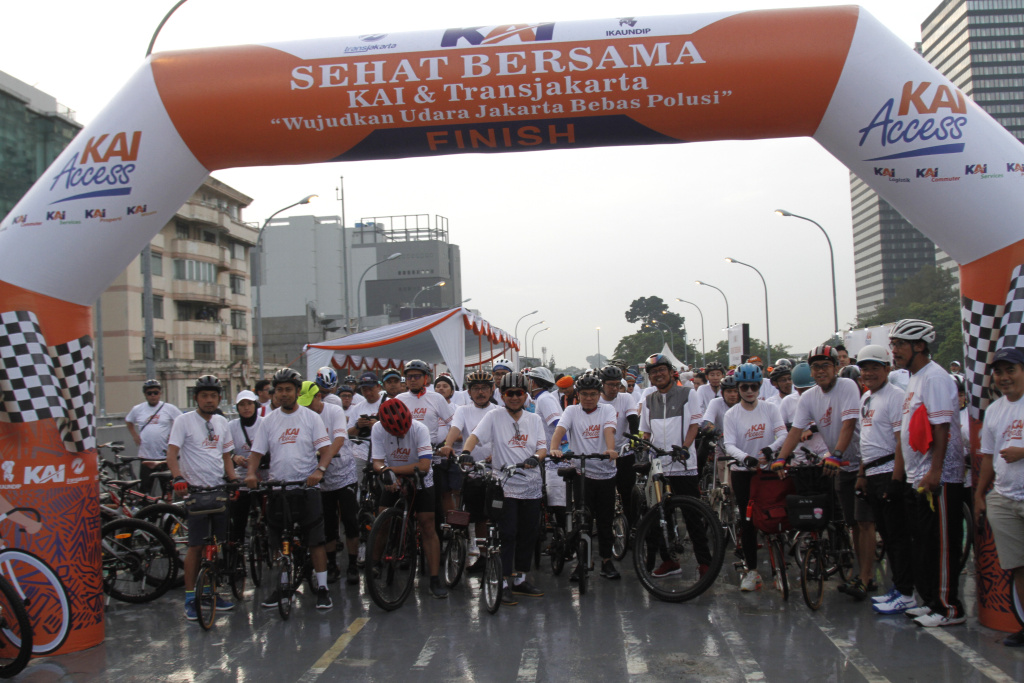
pixel 153 419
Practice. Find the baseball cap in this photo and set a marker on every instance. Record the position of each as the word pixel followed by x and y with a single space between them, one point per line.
pixel 1008 354
pixel 308 392
pixel 246 395
pixel 368 379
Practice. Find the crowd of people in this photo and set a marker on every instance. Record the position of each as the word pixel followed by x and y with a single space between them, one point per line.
pixel 889 427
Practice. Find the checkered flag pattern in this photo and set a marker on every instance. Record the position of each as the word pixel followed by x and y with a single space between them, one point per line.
pixel 1012 327
pixel 74 366
pixel 29 389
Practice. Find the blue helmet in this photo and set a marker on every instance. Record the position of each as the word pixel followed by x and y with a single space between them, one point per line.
pixel 748 372
pixel 326 378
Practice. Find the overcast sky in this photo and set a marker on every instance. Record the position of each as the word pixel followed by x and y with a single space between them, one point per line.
pixel 577 234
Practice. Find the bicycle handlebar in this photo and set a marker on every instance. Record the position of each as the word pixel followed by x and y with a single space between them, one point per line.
pixel 678 453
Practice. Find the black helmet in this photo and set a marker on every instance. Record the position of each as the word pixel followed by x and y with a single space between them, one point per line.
pixel 619 363
pixel 779 372
pixel 152 384
pixel 350 379
pixel 729 383
pixel 714 365
pixel 588 380
pixel 285 375
pixel 208 382
pixel 418 366
pixel 656 359
pixel 513 380
pixel 611 373
pixel 850 372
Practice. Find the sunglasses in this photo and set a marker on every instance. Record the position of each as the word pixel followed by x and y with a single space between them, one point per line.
pixel 514 393
pixel 750 387
pixel 153 393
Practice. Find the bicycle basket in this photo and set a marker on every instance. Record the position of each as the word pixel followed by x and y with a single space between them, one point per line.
pixel 494 501
pixel 767 508
pixel 809 512
pixel 291 502
pixel 206 502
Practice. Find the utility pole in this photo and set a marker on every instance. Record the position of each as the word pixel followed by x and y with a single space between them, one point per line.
pixel 344 250
pixel 147 312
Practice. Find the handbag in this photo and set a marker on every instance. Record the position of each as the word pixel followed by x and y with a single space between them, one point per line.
pixel 206 502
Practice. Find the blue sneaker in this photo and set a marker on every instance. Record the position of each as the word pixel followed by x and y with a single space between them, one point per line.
pixel 190 610
pixel 225 605
pixel 892 594
pixel 898 605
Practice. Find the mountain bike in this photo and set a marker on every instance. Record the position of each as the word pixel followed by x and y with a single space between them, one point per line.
pixel 15 632
pixel 293 564
pixel 213 568
pixel 392 548
pixel 577 538
pixel 138 560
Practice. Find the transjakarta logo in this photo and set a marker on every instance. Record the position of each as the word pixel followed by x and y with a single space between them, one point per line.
pixel 102 169
pixel 913 121
pixel 508 33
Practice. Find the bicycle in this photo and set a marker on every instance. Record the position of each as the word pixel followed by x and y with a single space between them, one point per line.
pixel 138 560
pixel 257 546
pixel 667 529
pixel 293 563
pixel 579 522
pixel 392 548
pixel 213 568
pixel 369 494
pixel 620 530
pixel 15 632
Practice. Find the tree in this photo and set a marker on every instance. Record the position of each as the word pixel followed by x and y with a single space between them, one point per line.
pixel 656 322
pixel 551 364
pixel 596 361
pixel 757 348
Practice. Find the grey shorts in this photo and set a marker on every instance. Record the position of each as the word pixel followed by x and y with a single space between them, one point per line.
pixel 1006 517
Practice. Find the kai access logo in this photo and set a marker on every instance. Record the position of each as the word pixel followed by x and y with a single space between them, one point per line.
pixel 103 168
pixel 494 35
pixel 926 113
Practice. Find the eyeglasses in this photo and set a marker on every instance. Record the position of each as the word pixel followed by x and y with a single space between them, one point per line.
pixel 750 387
pixel 822 366
pixel 153 393
pixel 414 375
pixel 896 343
pixel 514 393
pixel 657 370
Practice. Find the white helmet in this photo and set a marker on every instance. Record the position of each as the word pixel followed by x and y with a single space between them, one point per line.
pixel 541 373
pixel 503 363
pixel 873 353
pixel 913 330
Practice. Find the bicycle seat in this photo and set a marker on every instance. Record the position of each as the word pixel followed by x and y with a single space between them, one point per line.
pixel 124 482
pixel 642 467
pixel 567 473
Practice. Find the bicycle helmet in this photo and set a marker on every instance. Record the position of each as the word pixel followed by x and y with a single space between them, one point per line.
pixel 748 372
pixel 873 353
pixel 542 375
pixel 619 363
pixel 850 372
pixel 779 372
pixel 913 330
pixel 417 366
pixel 395 417
pixel 823 352
pixel 729 383
pixel 208 382
pixel 802 376
pixel 611 373
pixel 784 363
pixel 389 373
pixel 712 366
pixel 446 378
pixel 656 359
pixel 350 379
pixel 513 380
pixel 502 364
pixel 326 378
pixel 286 375
pixel 480 377
pixel 589 380
pixel 152 384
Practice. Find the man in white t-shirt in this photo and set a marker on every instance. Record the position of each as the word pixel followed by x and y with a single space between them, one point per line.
pixel 299 449
pixel 263 391
pixel 149 424
pixel 627 421
pixel 434 411
pixel 590 426
pixel 392 380
pixel 352 383
pixel 782 381
pixel 714 372
pixel 199 455
pixel 1002 464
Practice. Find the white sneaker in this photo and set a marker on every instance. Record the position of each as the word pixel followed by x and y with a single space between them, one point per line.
pixel 361 557
pixel 751 581
pixel 891 595
pixel 898 605
pixel 916 612
pixel 935 619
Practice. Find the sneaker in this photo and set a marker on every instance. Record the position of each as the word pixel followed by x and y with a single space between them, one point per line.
pixel 190 610
pixel 271 600
pixel 855 589
pixel 323 598
pixel 751 581
pixel 916 612
pixel 438 589
pixel 361 556
pixel 936 619
pixel 352 575
pixel 225 605
pixel 527 589
pixel 1015 640
pixel 667 568
pixel 891 595
pixel 898 605
pixel 333 573
pixel 609 571
pixel 507 598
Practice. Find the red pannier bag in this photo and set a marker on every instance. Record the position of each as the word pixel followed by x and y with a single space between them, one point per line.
pixel 767 507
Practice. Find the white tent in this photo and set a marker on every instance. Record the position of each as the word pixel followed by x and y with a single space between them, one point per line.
pixel 457 338
pixel 666 351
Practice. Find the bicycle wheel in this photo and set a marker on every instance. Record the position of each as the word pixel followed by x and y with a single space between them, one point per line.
pixel 842 551
pixel 491 592
pixel 255 550
pixel 777 555
pixel 1017 604
pixel 15 632
pixel 620 536
pixel 391 559
pixel 172 519
pixel 557 551
pixel 234 561
pixel 43 595
pixel 453 559
pixel 689 524
pixel 285 571
pixel 968 537
pixel 583 557
pixel 812 576
pixel 138 560
pixel 206 597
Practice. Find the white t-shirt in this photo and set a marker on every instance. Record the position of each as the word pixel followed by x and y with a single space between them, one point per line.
pixel 880 415
pixel 748 431
pixel 828 412
pixel 360 451
pixel 549 410
pixel 432 410
pixel 934 388
pixel 787 407
pixel 238 434
pixel 155 434
pixel 513 442
pixel 1003 427
pixel 342 469
pixel 333 399
pixel 460 398
pixel 714 412
pixel 623 406
pixel 586 436
pixel 264 409
pixel 668 426
pixel 706 394
pixel 398 451
pixel 767 389
pixel 292 440
pixel 466 419
pixel 200 450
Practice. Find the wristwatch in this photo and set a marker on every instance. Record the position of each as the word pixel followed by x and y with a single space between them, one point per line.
pixel 322 469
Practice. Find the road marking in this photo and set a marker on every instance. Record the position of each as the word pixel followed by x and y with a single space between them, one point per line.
pixel 427 653
pixel 221 665
pixel 328 657
pixel 970 655
pixel 852 654
pixel 636 665
pixel 748 666
pixel 529 663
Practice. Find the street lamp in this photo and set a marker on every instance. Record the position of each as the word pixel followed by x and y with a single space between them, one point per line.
pixel 767 330
pixel 832 257
pixel 423 289
pixel 599 347
pixel 534 339
pixel 469 299
pixel 727 323
pixel 526 335
pixel 359 298
pixel 515 332
pixel 259 282
pixel 659 332
pixel 671 336
pixel 701 326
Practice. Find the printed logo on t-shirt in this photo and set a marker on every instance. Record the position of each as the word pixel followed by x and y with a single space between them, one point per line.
pixel 518 441
pixel 1014 430
pixel 419 414
pixel 592 432
pixel 290 436
pixel 826 419
pixel 907 401
pixel 867 416
pixel 755 432
pixel 211 441
pixel 400 453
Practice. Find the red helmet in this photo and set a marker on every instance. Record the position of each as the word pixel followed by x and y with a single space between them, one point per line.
pixel 395 417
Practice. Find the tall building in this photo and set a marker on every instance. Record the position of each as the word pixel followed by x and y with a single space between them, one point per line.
pixel 304 290
pixel 34 130
pixel 201 304
pixel 979 46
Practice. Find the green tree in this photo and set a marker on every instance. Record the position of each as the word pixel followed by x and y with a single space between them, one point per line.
pixel 757 348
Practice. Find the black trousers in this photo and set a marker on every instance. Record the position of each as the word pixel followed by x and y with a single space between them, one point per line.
pixel 600 500
pixel 519 526
pixel 936 530
pixel 893 524
pixel 748 532
pixel 690 486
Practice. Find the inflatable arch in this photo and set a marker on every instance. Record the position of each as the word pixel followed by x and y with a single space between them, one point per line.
pixel 834 74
